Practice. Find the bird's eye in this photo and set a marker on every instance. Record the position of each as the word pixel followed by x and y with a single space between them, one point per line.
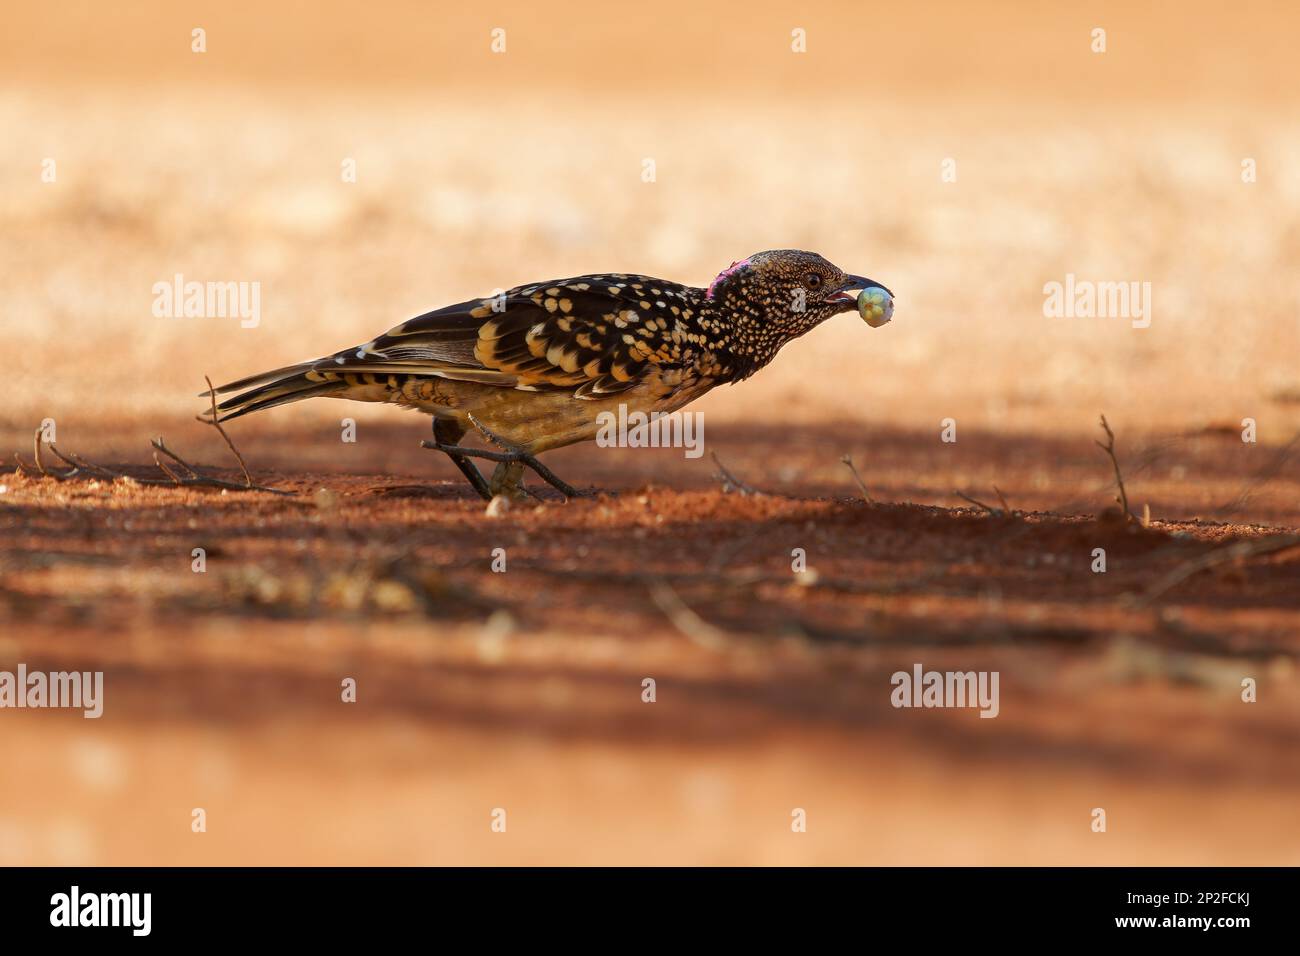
pixel 813 280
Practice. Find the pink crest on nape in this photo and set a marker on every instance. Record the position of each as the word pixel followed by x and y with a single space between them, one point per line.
pixel 724 275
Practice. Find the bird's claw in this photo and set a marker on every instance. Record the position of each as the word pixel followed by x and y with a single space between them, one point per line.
pixel 527 459
pixel 515 455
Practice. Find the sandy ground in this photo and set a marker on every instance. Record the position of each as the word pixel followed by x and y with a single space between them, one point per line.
pixel 522 690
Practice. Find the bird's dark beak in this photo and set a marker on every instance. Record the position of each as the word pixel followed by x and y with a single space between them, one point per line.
pixel 850 290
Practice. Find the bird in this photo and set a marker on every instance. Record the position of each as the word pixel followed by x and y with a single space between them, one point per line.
pixel 533 367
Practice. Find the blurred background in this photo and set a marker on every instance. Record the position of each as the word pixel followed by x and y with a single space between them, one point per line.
pixel 476 170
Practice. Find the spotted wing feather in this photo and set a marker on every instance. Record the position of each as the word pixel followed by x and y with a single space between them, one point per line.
pixel 593 335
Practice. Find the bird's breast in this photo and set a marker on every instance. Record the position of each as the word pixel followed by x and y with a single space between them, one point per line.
pixel 553 418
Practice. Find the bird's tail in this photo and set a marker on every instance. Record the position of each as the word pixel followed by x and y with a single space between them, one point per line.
pixel 280 386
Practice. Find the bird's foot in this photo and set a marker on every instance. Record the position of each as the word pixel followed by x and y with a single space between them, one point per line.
pixel 508 480
pixel 510 470
pixel 510 455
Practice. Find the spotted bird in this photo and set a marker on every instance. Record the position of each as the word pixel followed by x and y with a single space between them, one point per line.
pixel 532 368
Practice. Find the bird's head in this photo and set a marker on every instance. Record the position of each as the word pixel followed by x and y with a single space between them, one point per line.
pixel 774 297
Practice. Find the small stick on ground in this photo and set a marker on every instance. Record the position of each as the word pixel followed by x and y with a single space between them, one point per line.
pixel 978 504
pixel 862 485
pixel 1109 449
pixel 729 479
pixel 1225 555
pixel 195 478
pixel 36 454
pixel 77 466
pixel 212 395
pixel 1261 478
pixel 684 619
pixel 190 478
pixel 80 464
pixel 158 445
pixel 176 479
pixel 1006 508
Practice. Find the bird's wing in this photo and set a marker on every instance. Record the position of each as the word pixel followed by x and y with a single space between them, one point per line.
pixel 596 335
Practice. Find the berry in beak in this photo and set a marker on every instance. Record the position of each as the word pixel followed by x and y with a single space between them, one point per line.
pixel 875 303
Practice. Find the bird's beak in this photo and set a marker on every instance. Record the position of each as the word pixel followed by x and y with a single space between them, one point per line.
pixel 853 287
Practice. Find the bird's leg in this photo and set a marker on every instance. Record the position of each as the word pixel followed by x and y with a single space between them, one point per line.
pixel 514 457
pixel 446 433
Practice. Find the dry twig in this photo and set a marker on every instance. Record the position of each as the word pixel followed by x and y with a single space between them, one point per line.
pixel 191 477
pixel 212 396
pixel 1239 550
pixel 728 479
pixel 978 504
pixel 1262 477
pixel 862 485
pixel 1109 449
pixel 684 619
